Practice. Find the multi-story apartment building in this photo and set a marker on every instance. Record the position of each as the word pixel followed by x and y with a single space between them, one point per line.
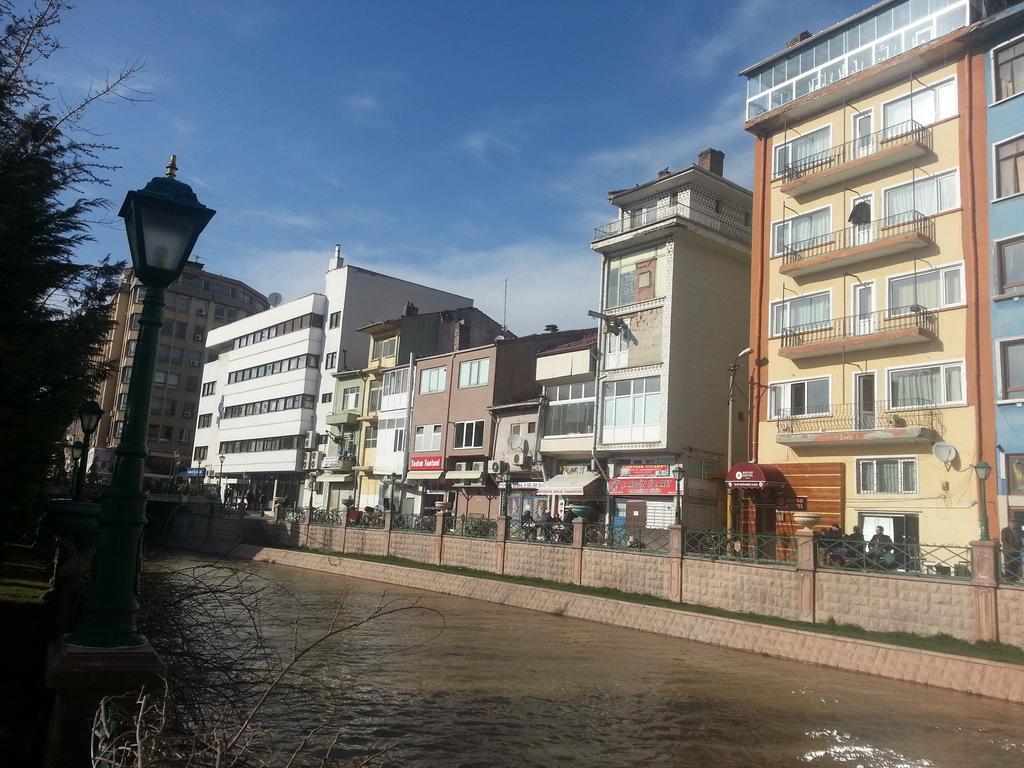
pixel 268 386
pixel 870 295
pixel 676 263
pixel 196 303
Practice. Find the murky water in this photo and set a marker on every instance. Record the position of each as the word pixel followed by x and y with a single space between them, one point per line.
pixel 487 685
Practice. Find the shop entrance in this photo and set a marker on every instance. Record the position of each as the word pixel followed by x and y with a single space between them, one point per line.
pixel 636 514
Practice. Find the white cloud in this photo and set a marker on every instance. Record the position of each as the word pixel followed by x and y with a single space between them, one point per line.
pixel 361 105
pixel 484 144
pixel 279 217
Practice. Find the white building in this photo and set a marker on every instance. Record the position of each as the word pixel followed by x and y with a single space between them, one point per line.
pixel 268 380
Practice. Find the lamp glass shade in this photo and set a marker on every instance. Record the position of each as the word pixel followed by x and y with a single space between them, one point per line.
pixel 76 450
pixel 678 472
pixel 983 468
pixel 89 416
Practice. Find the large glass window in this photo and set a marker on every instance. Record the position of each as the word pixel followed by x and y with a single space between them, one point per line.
pixel 384 347
pixel 1012 363
pixel 1015 474
pixel 1011 266
pixel 634 278
pixel 927 385
pixel 1010 168
pixel 395 430
pixel 632 409
pixel 428 437
pixel 803 231
pixel 394 382
pixel 924 107
pixel 469 434
pixel 927 196
pixel 350 398
pixel 799 398
pixel 897 475
pixel 803 152
pixel 474 373
pixel 433 380
pixel 570 409
pixel 931 289
pixel 803 313
pixel 1009 63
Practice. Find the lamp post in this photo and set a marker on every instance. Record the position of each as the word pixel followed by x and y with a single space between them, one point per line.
pixel 393 477
pixel 983 468
pixel 163 222
pixel 312 487
pixel 220 477
pixel 89 415
pixel 733 369
pixel 679 473
pixel 506 477
pixel 77 451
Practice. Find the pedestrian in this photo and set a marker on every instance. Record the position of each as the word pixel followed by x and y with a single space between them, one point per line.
pixel 881 548
pixel 1012 544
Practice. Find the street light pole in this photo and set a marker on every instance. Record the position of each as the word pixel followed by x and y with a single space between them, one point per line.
pixel 679 473
pixel 77 451
pixel 983 468
pixel 733 369
pixel 394 481
pixel 220 477
pixel 506 476
pixel 88 418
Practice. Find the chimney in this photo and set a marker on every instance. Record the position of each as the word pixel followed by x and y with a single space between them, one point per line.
pixel 410 309
pixel 460 336
pixel 798 39
pixel 712 161
pixel 552 328
pixel 336 261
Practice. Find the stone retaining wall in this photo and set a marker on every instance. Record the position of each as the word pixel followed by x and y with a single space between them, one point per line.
pixel 463 552
pixel 769 590
pixel 1011 615
pixel 540 561
pixel 366 541
pixel 413 546
pixel 628 571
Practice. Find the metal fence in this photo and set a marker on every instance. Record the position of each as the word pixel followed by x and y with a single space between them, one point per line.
pixel 706 218
pixel 747 547
pixel 471 527
pixel 878 414
pixel 1011 566
pixel 907 558
pixel 540 531
pixel 327 516
pixel 878 231
pixel 414 523
pixel 652 541
pixel 367 519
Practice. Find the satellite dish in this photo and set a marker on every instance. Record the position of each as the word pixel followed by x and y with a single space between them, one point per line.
pixel 274 299
pixel 944 452
pixel 515 442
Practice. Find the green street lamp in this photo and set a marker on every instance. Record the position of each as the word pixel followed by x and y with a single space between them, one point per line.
pixel 77 451
pixel 506 483
pixel 983 468
pixel 89 415
pixel 679 473
pixel 163 222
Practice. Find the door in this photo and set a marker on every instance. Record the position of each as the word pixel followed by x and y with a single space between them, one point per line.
pixel 865 416
pixel 863 309
pixel 862 220
pixel 636 515
pixel 863 141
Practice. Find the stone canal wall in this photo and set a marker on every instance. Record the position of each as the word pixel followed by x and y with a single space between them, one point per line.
pixel 975 608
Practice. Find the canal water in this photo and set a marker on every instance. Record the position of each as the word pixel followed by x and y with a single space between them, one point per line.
pixel 478 684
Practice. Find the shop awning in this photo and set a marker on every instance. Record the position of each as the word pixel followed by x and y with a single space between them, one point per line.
pixel 756 477
pixel 464 474
pixel 335 477
pixel 572 484
pixel 425 474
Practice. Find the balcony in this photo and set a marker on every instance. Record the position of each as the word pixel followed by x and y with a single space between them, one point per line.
pixel 675 213
pixel 865 154
pixel 881 422
pixel 870 330
pixel 344 417
pixel 884 237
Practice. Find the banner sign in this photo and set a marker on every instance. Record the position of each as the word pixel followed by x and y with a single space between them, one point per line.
pixel 195 472
pixel 645 470
pixel 426 463
pixel 791 504
pixel 644 486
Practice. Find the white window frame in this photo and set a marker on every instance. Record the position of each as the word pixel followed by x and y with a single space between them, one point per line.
pixel 995 99
pixel 942 365
pixel 874 461
pixel 996 197
pixel 433 380
pixel 942 269
pixel 382 343
pixel 478 372
pixel 388 382
pixel 955 172
pixel 933 87
pixel 787 146
pixel 1004 396
pixel 785 327
pixel 350 397
pixel 474 429
pixel 427 438
pixel 997 245
pixel 773 406
pixel 650 430
pixel 789 222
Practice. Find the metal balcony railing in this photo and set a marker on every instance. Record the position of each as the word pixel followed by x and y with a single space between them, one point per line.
pixel 909 132
pixel 706 218
pixel 878 231
pixel 853 417
pixel 859 326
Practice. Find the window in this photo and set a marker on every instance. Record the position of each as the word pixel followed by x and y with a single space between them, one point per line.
pixel 330 360
pixel 183 302
pixel 799 398
pixel 928 197
pixel 209 388
pixel 130 351
pixel 469 434
pixel 803 231
pixel 200 453
pixel 932 289
pixel 570 409
pixel 397 427
pixel 126 374
pixel 803 313
pixel 1010 168
pixel 122 401
pixel 205 420
pixel 370 440
pixel 288 326
pixel 350 399
pixel 394 382
pixel 326 397
pixel 373 401
pixel 335 320
pixel 278 366
pixel 118 428
pixel 384 347
pixel 166 379
pixel 632 402
pixel 927 385
pixel 633 278
pixel 433 380
pixel 887 475
pixel 803 151
pixel 289 403
pixel 1009 64
pixel 428 438
pixel 926 106
pixel 259 445
pixel 474 373
pixel 1010 256
pixel 192 384
pixel 1015 474
pixel 1011 357
pixel 617 347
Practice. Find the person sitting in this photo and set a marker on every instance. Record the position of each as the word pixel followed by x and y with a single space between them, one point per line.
pixel 545 523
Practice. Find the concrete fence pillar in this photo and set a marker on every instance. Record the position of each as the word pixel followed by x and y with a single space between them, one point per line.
pixel 984 582
pixel 579 534
pixel 675 563
pixel 500 537
pixel 806 565
pixel 438 537
pixel 387 531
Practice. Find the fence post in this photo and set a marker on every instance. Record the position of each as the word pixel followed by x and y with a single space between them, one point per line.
pixel 387 531
pixel 675 563
pixel 806 565
pixel 984 559
pixel 344 532
pixel 307 520
pixel 438 537
pixel 500 537
pixel 579 533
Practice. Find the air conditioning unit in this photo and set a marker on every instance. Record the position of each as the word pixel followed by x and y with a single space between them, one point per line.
pixel 193 363
pixel 200 311
pixel 495 468
pixel 519 459
pixel 314 459
pixel 311 440
pixel 197 337
pixel 186 414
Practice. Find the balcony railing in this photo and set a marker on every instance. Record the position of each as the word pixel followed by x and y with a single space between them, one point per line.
pixel 707 219
pixel 881 232
pixel 856 417
pixel 901 134
pixel 868 327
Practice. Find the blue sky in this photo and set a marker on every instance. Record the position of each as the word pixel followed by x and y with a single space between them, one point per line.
pixel 452 143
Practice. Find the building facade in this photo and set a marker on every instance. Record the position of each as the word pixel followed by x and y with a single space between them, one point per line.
pixel 870 287
pixel 677 255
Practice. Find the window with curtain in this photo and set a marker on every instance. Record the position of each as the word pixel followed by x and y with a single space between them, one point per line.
pixel 927 385
pixel 896 475
pixel 927 197
pixel 1011 266
pixel 804 313
pixel 1012 363
pixel 803 231
pixel 1010 168
pixel 923 107
pixel 799 398
pixel 1009 64
pixel 931 289
pixel 803 152
pixel 1015 473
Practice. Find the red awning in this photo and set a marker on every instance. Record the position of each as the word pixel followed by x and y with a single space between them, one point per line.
pixel 755 476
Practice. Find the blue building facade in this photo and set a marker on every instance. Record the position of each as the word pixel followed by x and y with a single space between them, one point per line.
pixel 1003 48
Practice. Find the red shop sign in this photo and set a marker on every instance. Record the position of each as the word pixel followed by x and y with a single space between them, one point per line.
pixel 426 462
pixel 643 486
pixel 645 470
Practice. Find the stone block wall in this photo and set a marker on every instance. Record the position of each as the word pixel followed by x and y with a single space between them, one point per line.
pixel 628 571
pixel 463 552
pixel 289 534
pixel 325 538
pixel 365 541
pixel 413 546
pixel 770 590
pixel 897 603
pixel 1011 615
pixel 540 561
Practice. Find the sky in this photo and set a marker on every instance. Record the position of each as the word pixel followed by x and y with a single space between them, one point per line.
pixel 456 144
